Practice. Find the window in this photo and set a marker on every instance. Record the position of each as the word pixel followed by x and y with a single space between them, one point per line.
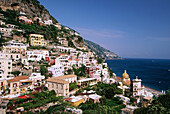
pixel 9 67
pixel 9 63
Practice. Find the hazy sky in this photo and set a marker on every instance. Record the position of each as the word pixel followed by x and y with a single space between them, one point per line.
pixel 130 28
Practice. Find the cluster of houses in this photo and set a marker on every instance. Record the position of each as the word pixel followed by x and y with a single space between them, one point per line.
pixel 17 56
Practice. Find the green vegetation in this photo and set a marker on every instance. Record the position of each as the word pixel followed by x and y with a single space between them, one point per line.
pixel 16 73
pixel 2 41
pixel 107 90
pixel 108 103
pixel 10 15
pixel 99 60
pixel 100 51
pixel 36 100
pixel 109 106
pixel 160 105
pixel 43 70
pixel 73 86
pixel 110 73
pixel 80 71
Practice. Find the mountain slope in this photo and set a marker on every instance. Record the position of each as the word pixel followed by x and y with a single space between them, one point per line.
pixel 33 9
pixel 100 51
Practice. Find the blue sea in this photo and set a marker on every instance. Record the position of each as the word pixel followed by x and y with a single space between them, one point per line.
pixel 155 73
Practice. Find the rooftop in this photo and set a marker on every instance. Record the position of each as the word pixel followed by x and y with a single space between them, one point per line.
pixel 95 96
pixel 87 79
pixel 60 79
pixel 15 79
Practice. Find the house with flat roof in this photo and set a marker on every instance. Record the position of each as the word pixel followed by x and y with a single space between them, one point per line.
pixel 87 81
pixel 15 47
pixel 37 40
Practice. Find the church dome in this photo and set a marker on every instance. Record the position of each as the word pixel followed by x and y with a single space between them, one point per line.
pixel 125 75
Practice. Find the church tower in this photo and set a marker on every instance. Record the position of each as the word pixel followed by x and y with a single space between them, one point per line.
pixel 137 90
pixel 125 78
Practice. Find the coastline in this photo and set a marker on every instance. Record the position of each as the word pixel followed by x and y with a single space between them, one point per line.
pixel 154 91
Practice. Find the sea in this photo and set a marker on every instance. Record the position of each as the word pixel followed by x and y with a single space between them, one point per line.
pixel 155 73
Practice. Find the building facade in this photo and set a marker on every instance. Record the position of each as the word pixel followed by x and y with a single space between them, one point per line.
pixel 20 84
pixel 37 40
pixel 15 47
pixel 37 55
pixel 61 84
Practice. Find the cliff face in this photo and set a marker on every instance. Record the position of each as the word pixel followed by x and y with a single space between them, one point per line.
pixel 33 8
pixel 100 51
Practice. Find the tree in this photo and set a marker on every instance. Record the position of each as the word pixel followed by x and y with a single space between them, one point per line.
pixel 99 60
pixel 16 73
pixel 109 92
pixel 43 70
pixel 73 86
pixel 69 71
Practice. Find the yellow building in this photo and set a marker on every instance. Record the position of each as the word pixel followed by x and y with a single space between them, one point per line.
pixel 76 100
pixel 125 78
pixel 19 84
pixel 37 40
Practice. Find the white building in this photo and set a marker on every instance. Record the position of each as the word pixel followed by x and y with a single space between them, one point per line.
pixel 66 49
pixel 58 25
pixel 48 22
pixel 5 68
pixel 13 56
pixel 57 69
pixel 37 55
pixel 2 23
pixel 64 58
pixel 37 78
pixel 14 46
pixel 6 31
pixel 137 89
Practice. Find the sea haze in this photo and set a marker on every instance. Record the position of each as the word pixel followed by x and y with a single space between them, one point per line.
pixel 155 73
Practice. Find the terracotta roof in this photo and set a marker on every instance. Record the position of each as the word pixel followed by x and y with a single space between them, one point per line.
pixel 60 79
pixel 15 79
pixel 62 54
pixel 127 82
pixel 66 76
pixel 77 59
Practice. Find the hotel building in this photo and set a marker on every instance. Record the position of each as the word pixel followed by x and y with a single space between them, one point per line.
pixel 37 40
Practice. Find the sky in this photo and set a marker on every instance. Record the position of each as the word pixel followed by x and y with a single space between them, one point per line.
pixel 129 28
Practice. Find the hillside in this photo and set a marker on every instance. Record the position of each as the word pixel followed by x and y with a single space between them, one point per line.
pixel 100 51
pixel 45 24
